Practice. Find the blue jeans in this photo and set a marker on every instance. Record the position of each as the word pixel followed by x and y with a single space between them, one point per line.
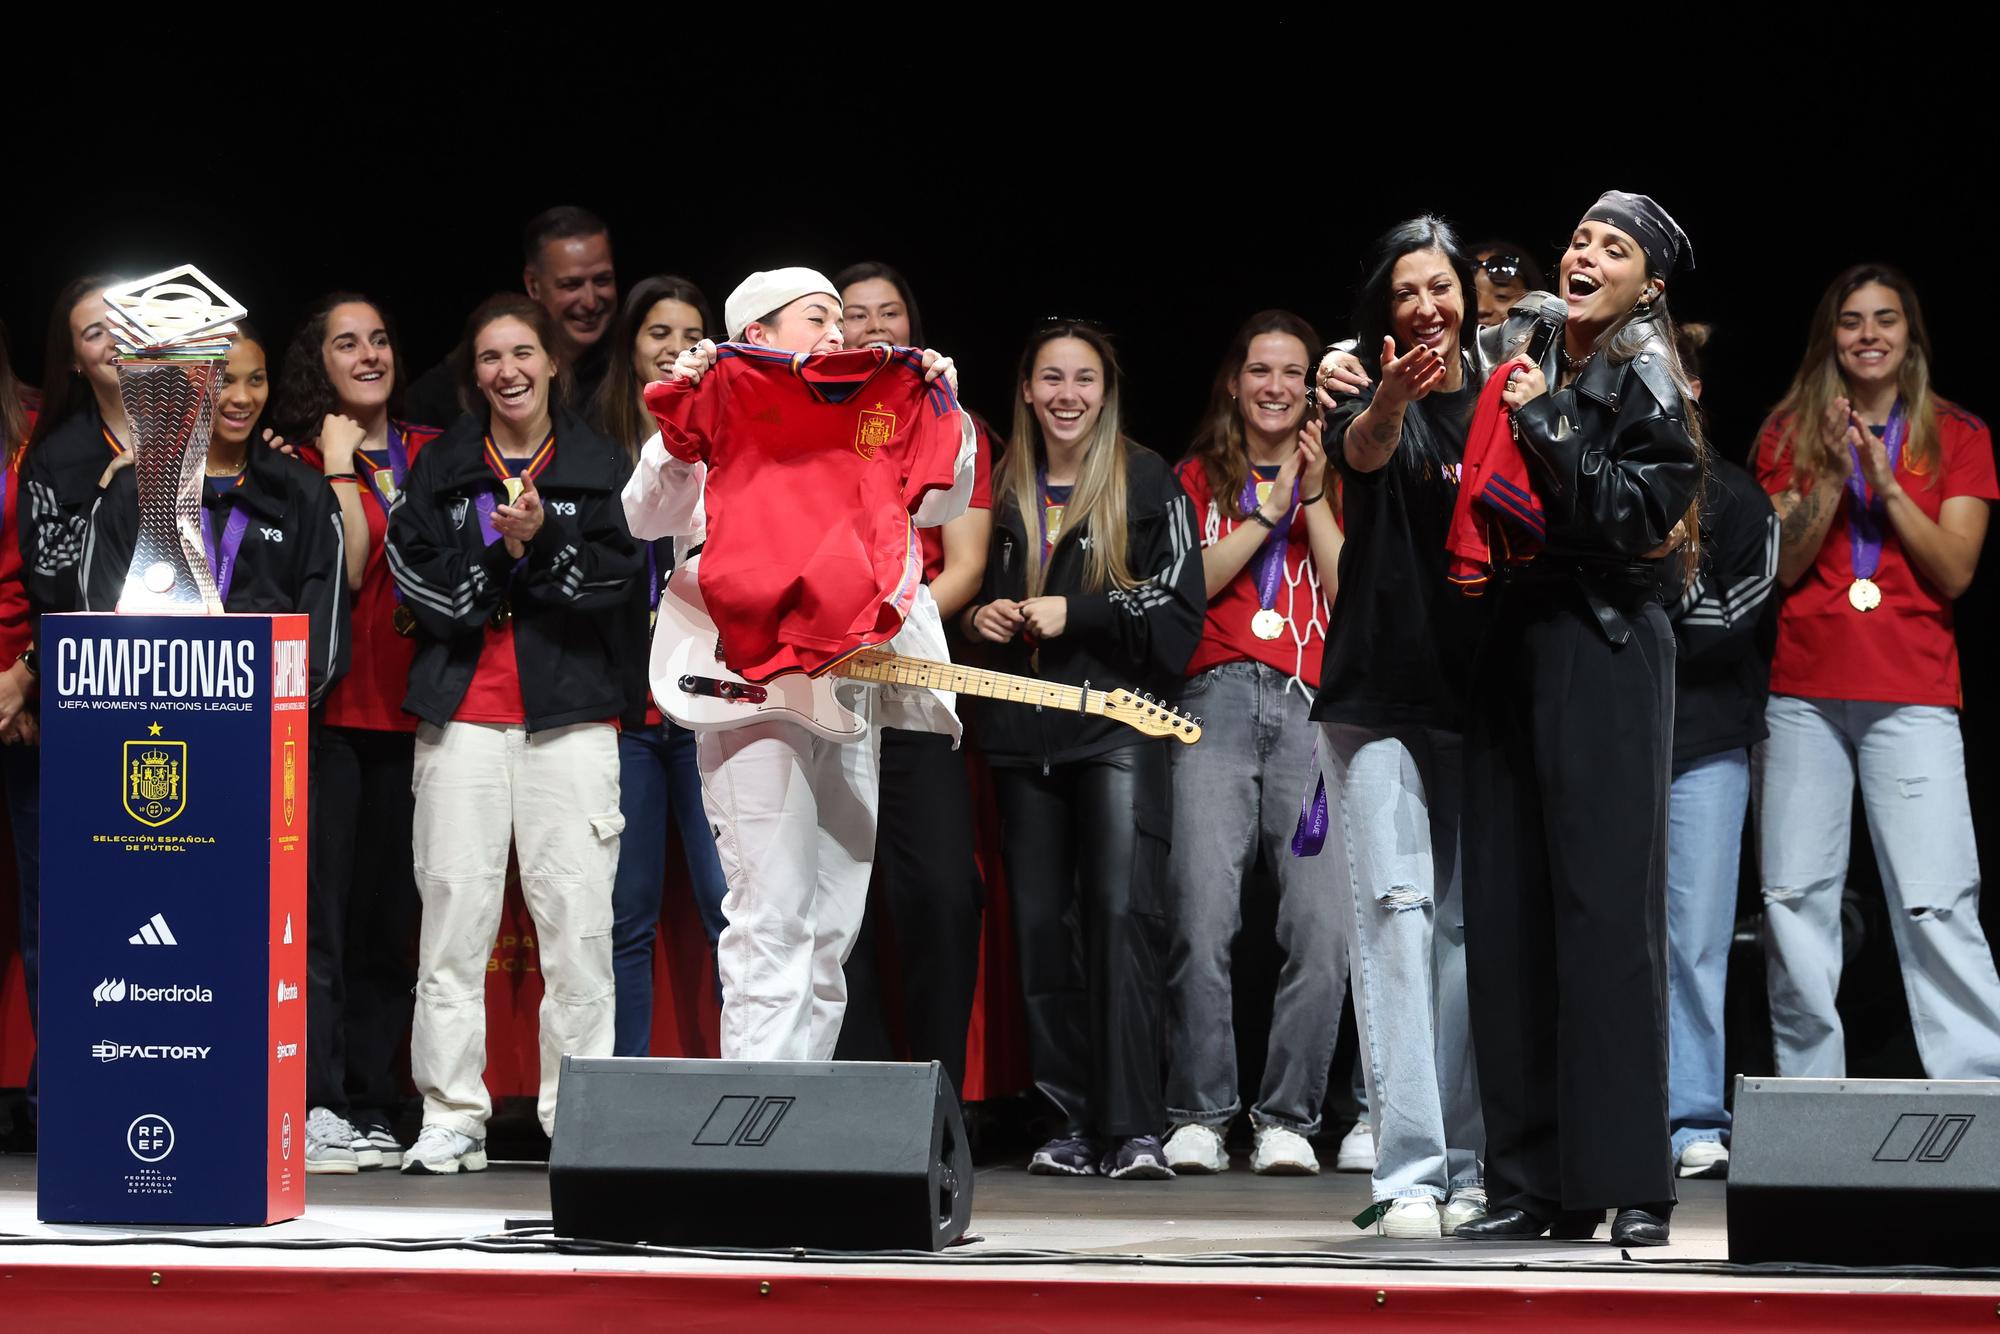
pixel 21 767
pixel 1236 794
pixel 1910 761
pixel 1393 840
pixel 656 777
pixel 1704 843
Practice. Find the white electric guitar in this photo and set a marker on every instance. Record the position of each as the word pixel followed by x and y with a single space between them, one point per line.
pixel 695 689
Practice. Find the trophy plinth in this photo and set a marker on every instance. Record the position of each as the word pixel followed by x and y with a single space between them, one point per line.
pixel 171 405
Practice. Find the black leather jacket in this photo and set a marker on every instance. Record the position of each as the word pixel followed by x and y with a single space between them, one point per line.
pixel 1616 469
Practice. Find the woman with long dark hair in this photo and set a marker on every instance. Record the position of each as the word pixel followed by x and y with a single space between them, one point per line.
pixel 510 548
pixel 663 316
pixel 337 390
pixel 925 872
pixel 1094 575
pixel 1258 481
pixel 81 439
pixel 1569 748
pixel 1391 708
pixel 1883 491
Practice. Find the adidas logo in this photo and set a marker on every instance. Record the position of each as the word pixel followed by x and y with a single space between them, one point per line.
pixel 107 991
pixel 154 933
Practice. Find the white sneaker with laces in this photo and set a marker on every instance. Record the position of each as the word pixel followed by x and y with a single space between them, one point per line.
pixel 329 1146
pixel 1463 1206
pixel 1411 1218
pixel 1704 1158
pixel 442 1151
pixel 1283 1153
pixel 1198 1150
pixel 1357 1150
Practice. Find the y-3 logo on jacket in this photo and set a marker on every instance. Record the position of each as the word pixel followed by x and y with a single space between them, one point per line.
pixel 271 534
pixel 566 508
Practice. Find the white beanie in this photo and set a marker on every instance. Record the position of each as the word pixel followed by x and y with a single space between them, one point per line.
pixel 770 290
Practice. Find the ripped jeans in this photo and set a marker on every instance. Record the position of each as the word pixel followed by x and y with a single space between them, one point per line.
pixel 1910 761
pixel 1393 839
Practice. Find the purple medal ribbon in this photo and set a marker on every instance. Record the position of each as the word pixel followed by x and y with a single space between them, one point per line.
pixel 484 504
pixel 222 564
pixel 1866 513
pixel 1310 836
pixel 1270 556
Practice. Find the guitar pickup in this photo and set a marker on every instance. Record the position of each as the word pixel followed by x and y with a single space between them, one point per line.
pixel 735 692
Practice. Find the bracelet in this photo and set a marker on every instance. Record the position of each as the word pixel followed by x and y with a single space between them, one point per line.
pixel 1314 498
pixel 344 477
pixel 1258 515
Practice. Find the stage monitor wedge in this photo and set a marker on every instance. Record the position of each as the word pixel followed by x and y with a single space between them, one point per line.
pixel 849 1155
pixel 1865 1172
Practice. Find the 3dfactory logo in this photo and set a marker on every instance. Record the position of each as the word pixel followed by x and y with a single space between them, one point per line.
pixel 118 1051
pixel 744 1121
pixel 286 1049
pixel 156 774
pixel 111 991
pixel 150 1138
pixel 1924 1137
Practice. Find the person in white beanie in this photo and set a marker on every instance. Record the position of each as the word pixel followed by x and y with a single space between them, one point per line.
pixel 794 814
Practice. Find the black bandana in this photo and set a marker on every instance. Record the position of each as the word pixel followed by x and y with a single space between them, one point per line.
pixel 1647 223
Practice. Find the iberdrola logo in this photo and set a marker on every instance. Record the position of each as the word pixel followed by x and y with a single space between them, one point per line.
pixel 155 779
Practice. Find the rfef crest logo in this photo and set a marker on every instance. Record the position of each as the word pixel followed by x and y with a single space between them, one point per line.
pixel 876 429
pixel 150 1138
pixel 155 779
pixel 291 781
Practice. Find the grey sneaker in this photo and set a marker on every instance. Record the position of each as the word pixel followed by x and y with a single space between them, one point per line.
pixel 1139 1158
pixel 329 1145
pixel 1070 1156
pixel 441 1151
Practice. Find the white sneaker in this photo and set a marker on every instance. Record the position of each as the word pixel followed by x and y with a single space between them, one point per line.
pixel 1357 1150
pixel 1411 1218
pixel 1704 1158
pixel 1198 1150
pixel 1283 1153
pixel 1463 1206
pixel 442 1151
pixel 387 1147
pixel 329 1145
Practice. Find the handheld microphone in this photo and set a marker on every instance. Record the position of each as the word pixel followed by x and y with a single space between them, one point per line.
pixel 1549 320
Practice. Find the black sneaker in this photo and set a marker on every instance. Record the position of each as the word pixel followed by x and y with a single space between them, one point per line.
pixel 1070 1156
pixel 1139 1158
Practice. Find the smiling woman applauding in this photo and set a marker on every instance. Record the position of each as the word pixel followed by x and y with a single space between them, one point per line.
pixel 511 551
pixel 1882 490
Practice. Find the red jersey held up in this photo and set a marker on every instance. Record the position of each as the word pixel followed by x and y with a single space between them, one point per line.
pixel 1904 651
pixel 982 499
pixel 1497 519
pixel 815 464
pixel 1225 633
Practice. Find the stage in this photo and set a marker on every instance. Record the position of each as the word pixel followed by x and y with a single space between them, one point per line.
pixel 381 1251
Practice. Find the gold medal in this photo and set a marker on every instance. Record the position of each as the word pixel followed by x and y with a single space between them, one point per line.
pixel 385 485
pixel 1267 624
pixel 514 487
pixel 1864 595
pixel 404 620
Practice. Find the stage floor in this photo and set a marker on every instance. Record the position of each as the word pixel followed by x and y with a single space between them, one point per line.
pixel 1234 1227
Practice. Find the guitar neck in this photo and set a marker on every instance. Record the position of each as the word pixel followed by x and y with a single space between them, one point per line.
pixel 893 669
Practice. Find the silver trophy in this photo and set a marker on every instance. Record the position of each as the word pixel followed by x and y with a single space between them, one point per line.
pixel 172 332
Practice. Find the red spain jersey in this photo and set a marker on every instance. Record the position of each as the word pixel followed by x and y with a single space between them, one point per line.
pixel 815 464
pixel 1904 651
pixel 370 696
pixel 1225 632
pixel 982 499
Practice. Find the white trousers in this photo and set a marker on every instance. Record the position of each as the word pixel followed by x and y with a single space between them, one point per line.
pixel 554 795
pixel 794 822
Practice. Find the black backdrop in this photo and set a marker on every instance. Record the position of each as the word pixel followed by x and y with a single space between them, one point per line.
pixel 1024 162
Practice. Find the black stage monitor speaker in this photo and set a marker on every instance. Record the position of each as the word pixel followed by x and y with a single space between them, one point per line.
pixel 1866 1172
pixel 849 1155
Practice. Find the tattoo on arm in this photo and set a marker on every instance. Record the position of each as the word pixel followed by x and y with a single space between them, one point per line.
pixel 1800 517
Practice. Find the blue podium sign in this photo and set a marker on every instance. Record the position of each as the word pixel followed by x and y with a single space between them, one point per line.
pixel 173 918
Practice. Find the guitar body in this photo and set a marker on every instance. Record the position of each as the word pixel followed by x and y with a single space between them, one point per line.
pixel 694 688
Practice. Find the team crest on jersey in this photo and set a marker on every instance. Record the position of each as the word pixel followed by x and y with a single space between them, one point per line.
pixel 155 781
pixel 875 430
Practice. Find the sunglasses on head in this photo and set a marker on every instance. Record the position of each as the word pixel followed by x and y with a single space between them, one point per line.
pixel 1503 268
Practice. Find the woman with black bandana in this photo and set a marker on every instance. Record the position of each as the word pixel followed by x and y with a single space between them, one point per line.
pixel 1568 750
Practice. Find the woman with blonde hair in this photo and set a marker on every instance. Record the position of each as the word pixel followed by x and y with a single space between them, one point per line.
pixel 1094 575
pixel 1881 489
